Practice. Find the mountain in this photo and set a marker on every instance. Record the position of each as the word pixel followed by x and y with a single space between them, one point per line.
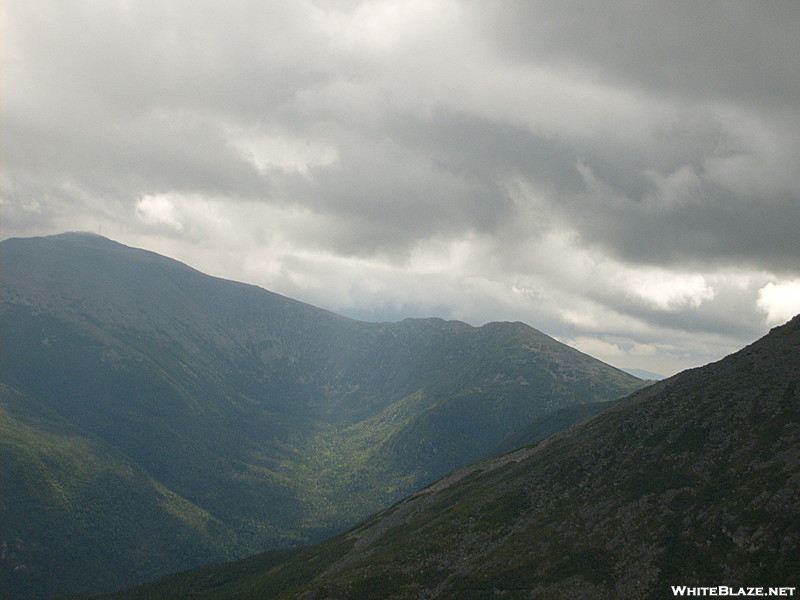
pixel 551 423
pixel 157 418
pixel 642 374
pixel 693 481
pixel 72 505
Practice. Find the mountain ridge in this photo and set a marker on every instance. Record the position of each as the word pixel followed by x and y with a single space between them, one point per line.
pixel 692 481
pixel 283 422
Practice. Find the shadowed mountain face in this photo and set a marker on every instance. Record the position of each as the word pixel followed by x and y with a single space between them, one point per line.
pixel 156 418
pixel 693 481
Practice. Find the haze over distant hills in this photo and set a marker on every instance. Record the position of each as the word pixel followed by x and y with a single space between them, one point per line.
pixel 155 418
pixel 693 481
pixel 642 374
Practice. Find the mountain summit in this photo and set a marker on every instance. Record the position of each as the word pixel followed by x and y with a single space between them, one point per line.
pixel 155 418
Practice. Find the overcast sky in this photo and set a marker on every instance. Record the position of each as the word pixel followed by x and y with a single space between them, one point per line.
pixel 624 176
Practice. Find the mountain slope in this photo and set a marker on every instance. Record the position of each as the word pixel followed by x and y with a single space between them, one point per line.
pixel 279 422
pixel 551 423
pixel 694 481
pixel 90 495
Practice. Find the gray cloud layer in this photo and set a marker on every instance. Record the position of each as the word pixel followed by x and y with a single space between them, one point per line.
pixel 622 175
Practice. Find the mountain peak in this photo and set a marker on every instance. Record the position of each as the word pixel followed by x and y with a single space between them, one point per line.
pixel 77 235
pixel 80 237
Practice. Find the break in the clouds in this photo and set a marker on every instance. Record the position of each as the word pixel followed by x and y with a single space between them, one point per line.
pixel 620 175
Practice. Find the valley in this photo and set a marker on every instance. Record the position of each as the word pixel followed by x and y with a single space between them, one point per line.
pixel 694 481
pixel 158 419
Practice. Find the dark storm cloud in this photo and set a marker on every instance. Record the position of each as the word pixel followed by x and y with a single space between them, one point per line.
pixel 719 230
pixel 391 197
pixel 713 50
pixel 130 156
pixel 731 74
pixel 478 148
pixel 431 177
pixel 139 101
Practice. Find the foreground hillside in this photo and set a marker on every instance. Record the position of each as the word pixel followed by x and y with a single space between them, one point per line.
pixel 694 481
pixel 156 418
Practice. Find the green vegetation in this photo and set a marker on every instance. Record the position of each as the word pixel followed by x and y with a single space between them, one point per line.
pixel 158 419
pixel 91 496
pixel 551 423
pixel 693 481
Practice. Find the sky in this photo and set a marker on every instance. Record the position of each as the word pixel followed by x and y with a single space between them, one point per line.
pixel 620 175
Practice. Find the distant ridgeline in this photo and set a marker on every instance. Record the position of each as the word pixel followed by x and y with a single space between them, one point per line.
pixel 153 418
pixel 688 487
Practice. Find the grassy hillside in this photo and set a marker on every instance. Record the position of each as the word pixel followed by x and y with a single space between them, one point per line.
pixel 92 497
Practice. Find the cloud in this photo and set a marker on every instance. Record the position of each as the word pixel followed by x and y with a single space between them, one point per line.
pixel 667 291
pixel 273 150
pixel 780 301
pixel 159 210
pixel 705 51
pixel 610 172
